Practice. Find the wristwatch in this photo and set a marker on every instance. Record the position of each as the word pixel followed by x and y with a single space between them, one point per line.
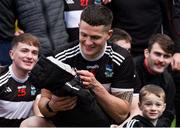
pixel 48 107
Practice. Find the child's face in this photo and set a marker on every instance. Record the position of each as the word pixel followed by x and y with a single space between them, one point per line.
pixel 152 107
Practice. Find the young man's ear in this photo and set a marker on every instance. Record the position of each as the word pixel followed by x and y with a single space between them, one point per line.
pixel 11 54
pixel 146 53
pixel 110 33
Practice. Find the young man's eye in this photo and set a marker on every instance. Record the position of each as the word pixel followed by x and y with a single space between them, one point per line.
pixel 24 50
pixel 157 54
pixel 95 37
pixel 167 56
pixel 35 52
pixel 83 34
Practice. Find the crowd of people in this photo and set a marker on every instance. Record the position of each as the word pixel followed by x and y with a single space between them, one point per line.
pixel 75 63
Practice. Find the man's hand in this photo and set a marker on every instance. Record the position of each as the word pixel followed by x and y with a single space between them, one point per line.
pixel 88 78
pixel 175 64
pixel 62 103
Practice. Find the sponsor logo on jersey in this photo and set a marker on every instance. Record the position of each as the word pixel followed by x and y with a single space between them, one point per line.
pixel 8 90
pixel 93 69
pixel 22 91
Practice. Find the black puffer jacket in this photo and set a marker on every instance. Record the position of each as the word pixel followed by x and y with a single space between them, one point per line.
pixel 7 19
pixel 44 19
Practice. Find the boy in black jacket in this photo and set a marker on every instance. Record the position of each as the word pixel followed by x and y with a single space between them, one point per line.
pixel 152 104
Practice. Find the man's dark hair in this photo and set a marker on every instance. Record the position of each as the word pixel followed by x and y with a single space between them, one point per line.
pixel 165 42
pixel 96 15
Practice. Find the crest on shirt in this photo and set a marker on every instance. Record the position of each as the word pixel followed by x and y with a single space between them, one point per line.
pixel 109 70
pixel 33 90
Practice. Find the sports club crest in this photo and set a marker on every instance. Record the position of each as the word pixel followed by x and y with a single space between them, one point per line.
pixel 109 70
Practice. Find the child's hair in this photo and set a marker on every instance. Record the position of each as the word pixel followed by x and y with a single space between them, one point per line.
pixel 26 38
pixel 151 89
pixel 120 34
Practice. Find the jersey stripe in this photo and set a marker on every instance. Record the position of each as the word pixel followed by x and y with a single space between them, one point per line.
pixel 68 52
pixel 116 57
pixel 71 52
pixel 4 78
pixel 15 110
pixel 131 123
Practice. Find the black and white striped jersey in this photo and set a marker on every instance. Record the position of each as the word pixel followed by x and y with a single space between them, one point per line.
pixel 16 98
pixel 114 68
pixel 73 10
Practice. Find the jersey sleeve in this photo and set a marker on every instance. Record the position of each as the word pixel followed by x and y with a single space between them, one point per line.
pixel 125 80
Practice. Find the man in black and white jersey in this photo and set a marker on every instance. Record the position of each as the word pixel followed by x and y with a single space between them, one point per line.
pixel 17 94
pixel 105 68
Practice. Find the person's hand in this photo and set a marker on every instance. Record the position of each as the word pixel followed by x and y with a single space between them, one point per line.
pixel 175 64
pixel 88 78
pixel 18 32
pixel 62 103
pixel 106 1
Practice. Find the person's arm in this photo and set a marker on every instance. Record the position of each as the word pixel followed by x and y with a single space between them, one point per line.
pixel 36 110
pixel 134 109
pixel 168 115
pixel 116 108
pixel 176 32
pixel 50 104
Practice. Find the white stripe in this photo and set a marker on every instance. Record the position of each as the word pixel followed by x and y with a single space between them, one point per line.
pixel 72 18
pixel 131 123
pixel 115 61
pixel 73 49
pixel 122 90
pixel 69 53
pixel 15 110
pixel 68 84
pixel 109 48
pixel 4 79
pixel 116 57
pixel 70 56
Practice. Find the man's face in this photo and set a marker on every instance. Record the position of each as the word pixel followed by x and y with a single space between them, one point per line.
pixel 157 59
pixel 92 39
pixel 24 56
pixel 152 106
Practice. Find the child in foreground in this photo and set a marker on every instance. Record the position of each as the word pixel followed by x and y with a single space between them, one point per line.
pixel 152 104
